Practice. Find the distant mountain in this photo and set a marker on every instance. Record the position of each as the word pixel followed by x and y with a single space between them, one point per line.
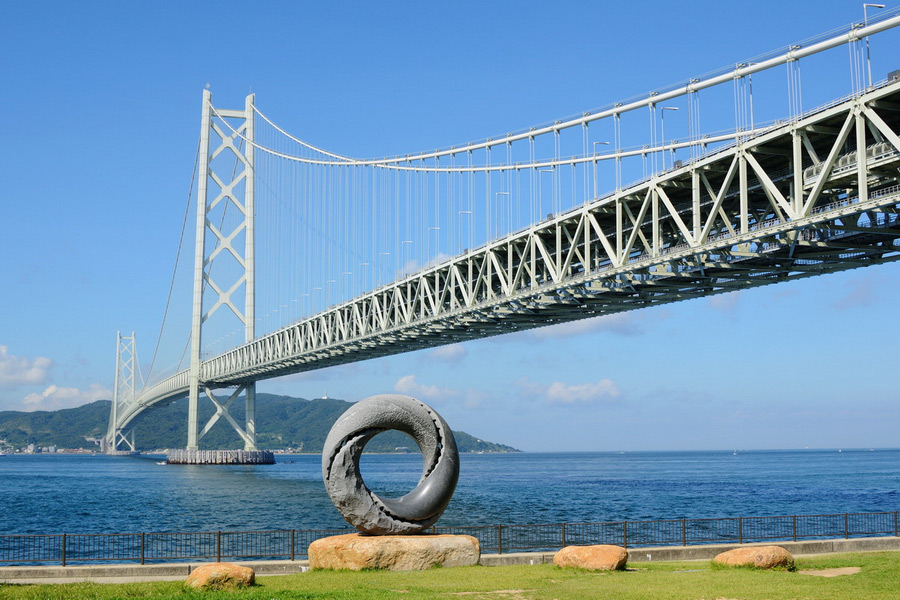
pixel 65 428
pixel 283 422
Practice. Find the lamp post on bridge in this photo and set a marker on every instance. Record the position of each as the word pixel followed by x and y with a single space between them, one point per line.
pixel 328 296
pixel 497 203
pixel 345 291
pixel 662 116
pixel 866 7
pixel 468 228
pixel 315 307
pixel 541 192
pixel 364 281
pixel 404 262
pixel 381 255
pixel 595 164
pixel 304 305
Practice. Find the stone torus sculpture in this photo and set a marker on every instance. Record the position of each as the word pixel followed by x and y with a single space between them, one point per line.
pixel 420 508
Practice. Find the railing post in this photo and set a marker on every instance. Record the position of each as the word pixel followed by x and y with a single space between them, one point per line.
pixel 564 535
pixel 218 546
pixel 292 544
pixel 795 528
pixel 499 539
pixel 846 526
pixel 142 547
pixel 740 530
pixel 683 532
pixel 896 529
pixel 63 549
pixel 625 534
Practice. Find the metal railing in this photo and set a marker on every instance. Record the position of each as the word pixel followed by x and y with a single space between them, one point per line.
pixel 291 544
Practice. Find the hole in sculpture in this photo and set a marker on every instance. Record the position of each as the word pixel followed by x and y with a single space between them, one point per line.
pixel 391 464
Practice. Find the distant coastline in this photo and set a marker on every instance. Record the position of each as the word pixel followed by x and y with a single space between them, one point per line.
pixel 285 424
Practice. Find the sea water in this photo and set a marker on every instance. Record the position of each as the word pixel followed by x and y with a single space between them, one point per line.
pixel 55 493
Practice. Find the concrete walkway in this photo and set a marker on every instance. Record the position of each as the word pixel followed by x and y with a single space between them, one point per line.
pixel 128 573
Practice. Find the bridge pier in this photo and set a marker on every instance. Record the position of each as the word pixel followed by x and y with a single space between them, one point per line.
pixel 220 457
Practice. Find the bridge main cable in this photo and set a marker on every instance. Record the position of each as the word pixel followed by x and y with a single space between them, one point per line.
pixel 743 70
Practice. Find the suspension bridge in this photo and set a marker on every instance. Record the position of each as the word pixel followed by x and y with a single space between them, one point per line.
pixel 306 258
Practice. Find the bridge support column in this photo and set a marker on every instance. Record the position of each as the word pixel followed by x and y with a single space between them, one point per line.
pixel 199 258
pixel 123 392
pixel 226 182
pixel 250 420
pixel 193 415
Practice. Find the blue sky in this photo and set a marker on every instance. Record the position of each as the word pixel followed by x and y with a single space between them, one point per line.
pixel 101 109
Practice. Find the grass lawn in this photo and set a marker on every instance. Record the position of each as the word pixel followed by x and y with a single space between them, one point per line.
pixel 879 578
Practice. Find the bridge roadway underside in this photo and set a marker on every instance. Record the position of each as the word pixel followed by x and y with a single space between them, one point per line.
pixel 791 202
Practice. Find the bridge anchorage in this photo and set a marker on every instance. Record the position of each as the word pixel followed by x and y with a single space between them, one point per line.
pixel 369 258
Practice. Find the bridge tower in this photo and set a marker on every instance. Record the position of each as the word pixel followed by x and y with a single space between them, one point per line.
pixel 124 391
pixel 224 239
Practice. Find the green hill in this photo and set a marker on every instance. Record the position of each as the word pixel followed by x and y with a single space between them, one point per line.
pixel 282 422
pixel 65 428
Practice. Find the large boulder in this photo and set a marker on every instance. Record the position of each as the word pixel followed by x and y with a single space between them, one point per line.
pixel 595 558
pixel 393 552
pixel 762 557
pixel 220 576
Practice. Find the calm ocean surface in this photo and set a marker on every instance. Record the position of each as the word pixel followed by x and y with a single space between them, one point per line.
pixel 100 494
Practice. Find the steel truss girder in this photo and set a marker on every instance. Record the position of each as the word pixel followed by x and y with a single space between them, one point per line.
pixel 739 218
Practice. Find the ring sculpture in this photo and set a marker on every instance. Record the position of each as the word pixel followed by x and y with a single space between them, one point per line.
pixel 362 508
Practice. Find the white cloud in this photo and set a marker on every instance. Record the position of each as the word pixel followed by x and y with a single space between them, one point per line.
pixel 859 292
pixel 605 390
pixel 452 353
pixel 726 303
pixel 16 371
pixel 619 323
pixel 474 399
pixel 408 385
pixel 412 265
pixel 55 397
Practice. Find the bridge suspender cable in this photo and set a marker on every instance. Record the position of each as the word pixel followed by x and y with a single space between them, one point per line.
pixel 793 54
pixel 184 221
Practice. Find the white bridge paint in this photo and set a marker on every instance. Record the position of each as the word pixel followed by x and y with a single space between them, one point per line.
pixel 789 202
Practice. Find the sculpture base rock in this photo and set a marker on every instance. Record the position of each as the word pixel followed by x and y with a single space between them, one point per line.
pixel 595 558
pixel 761 557
pixel 221 576
pixel 355 552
